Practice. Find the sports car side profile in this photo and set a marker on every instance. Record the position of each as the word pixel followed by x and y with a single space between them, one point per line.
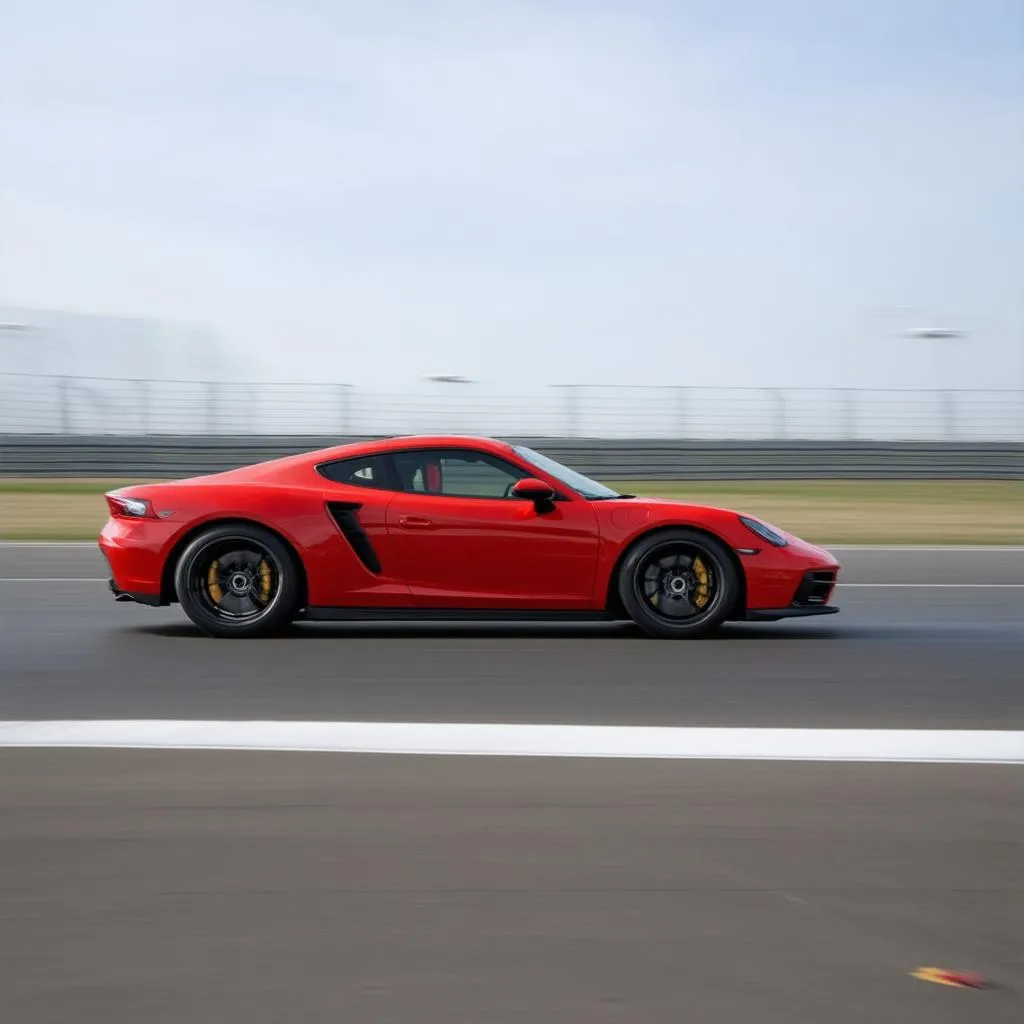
pixel 447 528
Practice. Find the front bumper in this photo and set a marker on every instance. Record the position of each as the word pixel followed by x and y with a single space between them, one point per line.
pixel 782 593
pixel 774 614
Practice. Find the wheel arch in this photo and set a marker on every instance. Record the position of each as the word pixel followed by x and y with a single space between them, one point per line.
pixel 167 592
pixel 613 602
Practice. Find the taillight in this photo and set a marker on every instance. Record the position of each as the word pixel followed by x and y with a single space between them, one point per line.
pixel 129 508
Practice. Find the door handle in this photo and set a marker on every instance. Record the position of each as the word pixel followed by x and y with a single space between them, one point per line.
pixel 415 523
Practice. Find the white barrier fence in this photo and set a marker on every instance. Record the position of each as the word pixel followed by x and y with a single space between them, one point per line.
pixel 65 405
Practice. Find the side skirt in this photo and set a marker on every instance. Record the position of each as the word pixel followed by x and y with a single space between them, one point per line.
pixel 323 614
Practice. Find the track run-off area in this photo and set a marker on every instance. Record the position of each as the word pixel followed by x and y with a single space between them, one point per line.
pixel 369 822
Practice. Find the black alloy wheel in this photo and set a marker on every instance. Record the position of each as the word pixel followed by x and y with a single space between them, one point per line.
pixel 679 584
pixel 238 580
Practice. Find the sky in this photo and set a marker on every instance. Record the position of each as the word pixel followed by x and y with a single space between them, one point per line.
pixel 528 193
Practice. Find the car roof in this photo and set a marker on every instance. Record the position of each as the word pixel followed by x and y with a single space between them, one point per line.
pixel 408 441
pixel 295 468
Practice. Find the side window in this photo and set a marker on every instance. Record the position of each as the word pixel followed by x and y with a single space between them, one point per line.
pixel 462 474
pixel 363 471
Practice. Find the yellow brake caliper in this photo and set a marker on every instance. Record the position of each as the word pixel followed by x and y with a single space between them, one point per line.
pixel 702 594
pixel 265 581
pixel 216 594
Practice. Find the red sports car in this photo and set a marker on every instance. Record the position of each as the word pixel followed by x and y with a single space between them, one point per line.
pixel 413 528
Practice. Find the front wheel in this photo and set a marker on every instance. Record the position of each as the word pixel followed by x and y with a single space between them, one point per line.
pixel 679 584
pixel 238 580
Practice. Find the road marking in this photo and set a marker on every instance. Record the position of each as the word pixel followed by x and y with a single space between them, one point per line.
pixel 49 544
pixel 887 745
pixel 919 586
pixel 922 548
pixel 940 586
pixel 52 579
pixel 927 548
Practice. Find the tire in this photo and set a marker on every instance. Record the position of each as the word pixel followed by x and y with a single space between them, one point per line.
pixel 238 580
pixel 679 584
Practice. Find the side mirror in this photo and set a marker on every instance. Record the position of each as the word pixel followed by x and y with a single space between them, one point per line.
pixel 540 493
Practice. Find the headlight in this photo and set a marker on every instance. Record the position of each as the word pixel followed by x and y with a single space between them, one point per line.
pixel 764 531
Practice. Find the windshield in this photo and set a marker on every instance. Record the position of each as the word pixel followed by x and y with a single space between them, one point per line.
pixel 577 481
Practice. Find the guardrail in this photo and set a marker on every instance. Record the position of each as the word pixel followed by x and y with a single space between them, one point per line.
pixel 33 404
pixel 654 459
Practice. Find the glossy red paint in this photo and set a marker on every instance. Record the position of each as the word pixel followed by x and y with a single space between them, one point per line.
pixel 494 552
pixel 531 488
pixel 435 550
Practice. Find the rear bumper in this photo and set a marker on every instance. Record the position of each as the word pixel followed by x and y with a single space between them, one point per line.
pixel 139 597
pixel 133 553
pixel 774 614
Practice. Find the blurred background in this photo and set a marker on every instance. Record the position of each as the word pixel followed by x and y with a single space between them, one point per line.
pixel 823 200
pixel 665 242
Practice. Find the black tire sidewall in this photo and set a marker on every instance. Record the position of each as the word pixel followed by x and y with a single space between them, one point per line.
pixel 283 604
pixel 655 625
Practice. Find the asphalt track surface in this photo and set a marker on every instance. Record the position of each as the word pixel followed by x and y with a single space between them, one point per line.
pixel 945 651
pixel 218 886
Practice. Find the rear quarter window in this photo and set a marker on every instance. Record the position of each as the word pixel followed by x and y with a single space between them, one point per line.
pixel 362 471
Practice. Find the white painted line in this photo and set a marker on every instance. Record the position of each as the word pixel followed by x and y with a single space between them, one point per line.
pixel 939 586
pixel 919 586
pixel 889 745
pixel 49 544
pixel 923 548
pixel 928 548
pixel 51 579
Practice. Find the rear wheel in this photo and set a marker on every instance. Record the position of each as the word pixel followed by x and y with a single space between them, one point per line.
pixel 679 584
pixel 238 580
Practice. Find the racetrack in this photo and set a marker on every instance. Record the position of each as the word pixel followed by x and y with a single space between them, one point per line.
pixel 212 885
pixel 925 639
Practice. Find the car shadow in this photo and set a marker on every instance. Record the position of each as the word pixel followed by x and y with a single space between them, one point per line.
pixel 605 631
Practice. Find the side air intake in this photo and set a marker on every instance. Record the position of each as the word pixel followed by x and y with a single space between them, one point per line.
pixel 345 514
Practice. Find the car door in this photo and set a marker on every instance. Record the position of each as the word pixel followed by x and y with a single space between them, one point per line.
pixel 355 566
pixel 462 540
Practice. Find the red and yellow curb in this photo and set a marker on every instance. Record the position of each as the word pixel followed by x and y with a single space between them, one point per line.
pixel 956 979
